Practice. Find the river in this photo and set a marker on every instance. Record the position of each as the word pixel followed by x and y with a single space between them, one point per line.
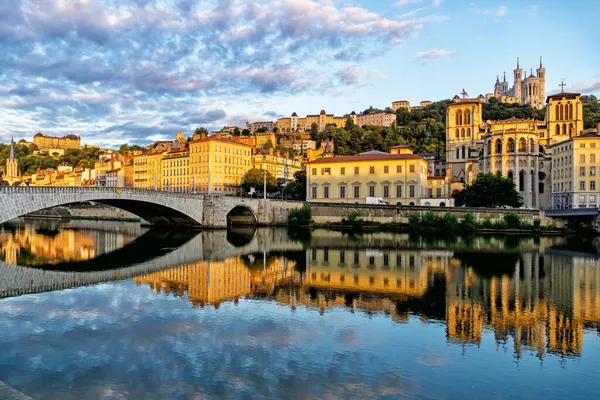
pixel 105 310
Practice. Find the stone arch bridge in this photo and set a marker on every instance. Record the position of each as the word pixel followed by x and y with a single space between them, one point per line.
pixel 156 207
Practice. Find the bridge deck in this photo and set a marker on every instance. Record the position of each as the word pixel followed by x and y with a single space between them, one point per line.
pixel 572 212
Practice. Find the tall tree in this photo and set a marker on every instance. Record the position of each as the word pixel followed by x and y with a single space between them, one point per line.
pixel 489 190
pixel 296 189
pixel 254 178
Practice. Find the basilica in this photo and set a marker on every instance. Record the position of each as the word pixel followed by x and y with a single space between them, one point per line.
pixel 525 90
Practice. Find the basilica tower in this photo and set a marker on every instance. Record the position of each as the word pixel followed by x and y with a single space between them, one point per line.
pixel 518 92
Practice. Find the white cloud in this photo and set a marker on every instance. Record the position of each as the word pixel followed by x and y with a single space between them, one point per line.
pixel 435 53
pixel 496 13
pixel 401 3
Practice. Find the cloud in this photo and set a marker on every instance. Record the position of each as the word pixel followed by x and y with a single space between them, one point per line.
pixel 434 53
pixel 586 87
pixel 401 3
pixel 79 66
pixel 496 13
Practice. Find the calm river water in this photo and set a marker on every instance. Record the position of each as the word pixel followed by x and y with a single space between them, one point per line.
pixel 94 310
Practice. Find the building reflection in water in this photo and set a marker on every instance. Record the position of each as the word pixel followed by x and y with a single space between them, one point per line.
pixel 540 300
pixel 49 243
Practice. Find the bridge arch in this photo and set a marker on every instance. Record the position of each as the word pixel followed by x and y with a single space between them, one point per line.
pixel 158 208
pixel 241 214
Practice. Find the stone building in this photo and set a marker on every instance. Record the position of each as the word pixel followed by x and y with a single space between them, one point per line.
pixel 11 172
pixel 525 90
pixel 45 143
pixel 376 119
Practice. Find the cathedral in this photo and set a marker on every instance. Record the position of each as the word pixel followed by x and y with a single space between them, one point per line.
pixel 526 89
pixel 11 173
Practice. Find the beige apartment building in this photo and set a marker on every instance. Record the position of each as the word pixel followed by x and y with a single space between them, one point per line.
pixel 376 119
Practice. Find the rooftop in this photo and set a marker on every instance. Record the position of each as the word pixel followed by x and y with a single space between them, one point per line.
pixel 367 157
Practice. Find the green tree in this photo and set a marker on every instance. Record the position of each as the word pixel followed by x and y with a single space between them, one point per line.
pixel 236 131
pixel 591 111
pixel 275 130
pixel 262 129
pixel 254 178
pixel 296 189
pixel 489 190
pixel 268 145
pixel 246 132
pixel 201 131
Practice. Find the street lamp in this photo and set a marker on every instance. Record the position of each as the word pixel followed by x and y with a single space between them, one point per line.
pixel 265 185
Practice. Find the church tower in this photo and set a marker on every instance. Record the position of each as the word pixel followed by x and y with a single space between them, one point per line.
pixel 518 83
pixel 12 165
pixel 541 74
pixel 497 88
pixel 505 85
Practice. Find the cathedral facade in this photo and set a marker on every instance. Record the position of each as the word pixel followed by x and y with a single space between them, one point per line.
pixel 525 90
pixel 11 173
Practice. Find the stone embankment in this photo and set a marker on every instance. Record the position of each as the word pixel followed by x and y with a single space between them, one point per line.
pixel 86 211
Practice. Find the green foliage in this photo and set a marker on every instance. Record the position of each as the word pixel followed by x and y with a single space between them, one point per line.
pixel 537 224
pixel 126 149
pixel 450 222
pixel 486 223
pixel 495 110
pixel 353 218
pixel 255 178
pixel 489 190
pixel 591 111
pixel 268 145
pixel 429 220
pixel 414 220
pixel 296 190
pixel 201 131
pixel 236 131
pixel 469 222
pixel 262 129
pixel 300 216
pixel 512 220
pixel 246 132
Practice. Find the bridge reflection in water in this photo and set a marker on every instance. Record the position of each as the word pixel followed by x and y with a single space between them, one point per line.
pixel 525 289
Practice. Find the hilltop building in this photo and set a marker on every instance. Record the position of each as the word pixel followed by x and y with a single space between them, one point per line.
pixel 11 173
pixel 296 124
pixel 525 90
pixel 46 143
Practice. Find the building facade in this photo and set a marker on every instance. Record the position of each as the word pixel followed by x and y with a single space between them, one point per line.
pixel 45 143
pixel 176 169
pixel 218 164
pixel 279 166
pixel 296 124
pixel 376 119
pixel 398 178
pixel 11 172
pixel 525 90
pixel 404 104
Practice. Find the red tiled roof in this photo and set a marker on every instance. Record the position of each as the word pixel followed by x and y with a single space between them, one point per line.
pixel 367 157
pixel 400 146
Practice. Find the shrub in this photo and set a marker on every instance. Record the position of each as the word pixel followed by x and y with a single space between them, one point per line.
pixel 537 224
pixel 430 220
pixel 469 223
pixel 414 220
pixel 487 223
pixel 512 220
pixel 353 218
pixel 450 222
pixel 499 224
pixel 300 216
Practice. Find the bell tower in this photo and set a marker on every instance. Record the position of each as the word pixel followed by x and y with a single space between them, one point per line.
pixel 541 74
pixel 518 72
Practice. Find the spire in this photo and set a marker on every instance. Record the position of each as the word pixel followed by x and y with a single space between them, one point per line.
pixel 540 61
pixel 497 79
pixel 504 76
pixel 517 62
pixel 12 154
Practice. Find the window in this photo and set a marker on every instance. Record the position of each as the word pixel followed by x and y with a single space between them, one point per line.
pixel 386 191
pixel 342 257
pixel 581 171
pixel 411 168
pixel 411 190
pixel 326 192
pixel 592 185
pixel 581 199
pixel 593 157
pixel 356 190
pixel 593 199
pixel 371 191
pixel 314 192
pixel 314 171
pixel 582 158
pixel 356 170
pixel 430 192
pixel 399 169
pixel 511 145
pixel 398 190
pixel 386 169
pixel 581 185
pixel 356 258
pixel 342 192
pixel 463 153
pixel 498 146
pixel 582 145
pixel 438 192
pixel 592 171
pixel 343 171
pixel 325 171
pixel 371 169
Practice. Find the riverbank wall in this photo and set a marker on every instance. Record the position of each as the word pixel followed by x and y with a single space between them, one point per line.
pixel 86 212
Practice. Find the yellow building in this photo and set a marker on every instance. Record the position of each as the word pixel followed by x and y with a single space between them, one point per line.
pixel 424 103
pixel 399 177
pixel 147 166
pixel 279 166
pixel 45 143
pixel 564 117
pixel 295 124
pixel 575 165
pixel 176 169
pixel 218 164
pixel 404 104
pixel 376 119
pixel 324 150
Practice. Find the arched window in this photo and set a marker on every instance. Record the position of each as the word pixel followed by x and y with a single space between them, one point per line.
pixel 521 181
pixel 531 146
pixel 570 111
pixel 457 133
pixel 463 152
pixel 557 130
pixel 462 132
pixel 510 146
pixel 468 132
pixel 562 115
pixel 564 129
pixel 498 146
pixel 510 175
pixel 459 117
pixel 557 112
pixel 467 117
pixel 457 153
pixel 489 148
pixel 570 130
pixel 541 187
pixel 522 145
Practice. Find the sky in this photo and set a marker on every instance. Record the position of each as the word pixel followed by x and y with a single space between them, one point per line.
pixel 135 71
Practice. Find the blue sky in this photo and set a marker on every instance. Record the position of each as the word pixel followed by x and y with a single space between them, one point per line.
pixel 116 71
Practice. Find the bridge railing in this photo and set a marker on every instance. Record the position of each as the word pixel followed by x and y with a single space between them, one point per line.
pixel 91 189
pixel 565 212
